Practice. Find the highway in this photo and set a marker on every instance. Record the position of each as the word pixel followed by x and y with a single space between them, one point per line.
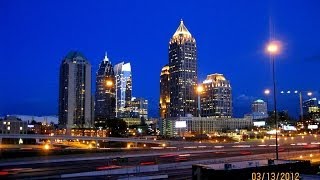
pixel 49 169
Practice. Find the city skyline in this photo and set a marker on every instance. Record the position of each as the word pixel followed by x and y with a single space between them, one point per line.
pixel 37 57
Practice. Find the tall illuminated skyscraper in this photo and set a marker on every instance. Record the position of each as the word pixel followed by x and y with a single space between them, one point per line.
pixel 216 98
pixel 105 96
pixel 75 92
pixel 123 88
pixel 164 92
pixel 183 72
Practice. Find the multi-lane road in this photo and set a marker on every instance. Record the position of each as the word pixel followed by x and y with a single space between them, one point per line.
pixel 55 167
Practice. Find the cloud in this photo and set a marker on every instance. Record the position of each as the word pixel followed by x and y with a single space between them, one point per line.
pixel 245 98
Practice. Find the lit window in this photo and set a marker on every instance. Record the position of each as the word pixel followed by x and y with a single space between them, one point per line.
pixel 20 128
pixel 8 128
pixel 8 123
pixel 4 122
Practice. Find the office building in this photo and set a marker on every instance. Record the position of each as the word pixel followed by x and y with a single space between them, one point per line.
pixel 259 109
pixel 183 73
pixel 139 108
pixel 105 96
pixel 164 92
pixel 311 108
pixel 216 97
pixel 187 126
pixel 75 92
pixel 13 125
pixel 123 90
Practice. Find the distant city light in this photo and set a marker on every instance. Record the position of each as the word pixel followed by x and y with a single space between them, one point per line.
pixel 139 130
pixel 180 124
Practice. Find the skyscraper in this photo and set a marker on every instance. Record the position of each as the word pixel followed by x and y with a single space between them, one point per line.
pixel 259 106
pixel 164 92
pixel 311 109
pixel 105 96
pixel 75 92
pixel 183 72
pixel 310 106
pixel 123 88
pixel 139 107
pixel 216 98
pixel 259 109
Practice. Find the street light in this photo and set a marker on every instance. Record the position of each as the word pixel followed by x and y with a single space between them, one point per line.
pixel 273 48
pixel 300 98
pixel 199 91
pixel 109 83
pixel 267 92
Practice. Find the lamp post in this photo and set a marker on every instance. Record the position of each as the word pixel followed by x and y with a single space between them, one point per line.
pixel 199 91
pixel 266 93
pixel 300 99
pixel 273 49
pixel 108 84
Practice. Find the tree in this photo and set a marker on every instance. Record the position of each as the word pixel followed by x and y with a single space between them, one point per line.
pixel 282 117
pixel 117 127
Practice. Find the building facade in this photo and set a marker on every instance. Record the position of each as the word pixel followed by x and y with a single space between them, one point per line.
pixel 185 126
pixel 183 73
pixel 75 92
pixel 164 92
pixel 13 125
pixel 139 108
pixel 216 97
pixel 311 108
pixel 259 109
pixel 123 90
pixel 105 96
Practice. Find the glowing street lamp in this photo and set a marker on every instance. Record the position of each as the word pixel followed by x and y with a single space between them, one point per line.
pixel 300 98
pixel 267 92
pixel 273 48
pixel 200 90
pixel 109 83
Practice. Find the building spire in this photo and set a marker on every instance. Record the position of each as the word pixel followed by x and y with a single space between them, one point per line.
pixel 182 30
pixel 106 57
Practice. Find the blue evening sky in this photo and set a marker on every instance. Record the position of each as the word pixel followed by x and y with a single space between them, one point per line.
pixel 35 35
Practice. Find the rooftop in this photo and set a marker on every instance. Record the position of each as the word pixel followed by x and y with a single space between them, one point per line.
pixel 182 30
